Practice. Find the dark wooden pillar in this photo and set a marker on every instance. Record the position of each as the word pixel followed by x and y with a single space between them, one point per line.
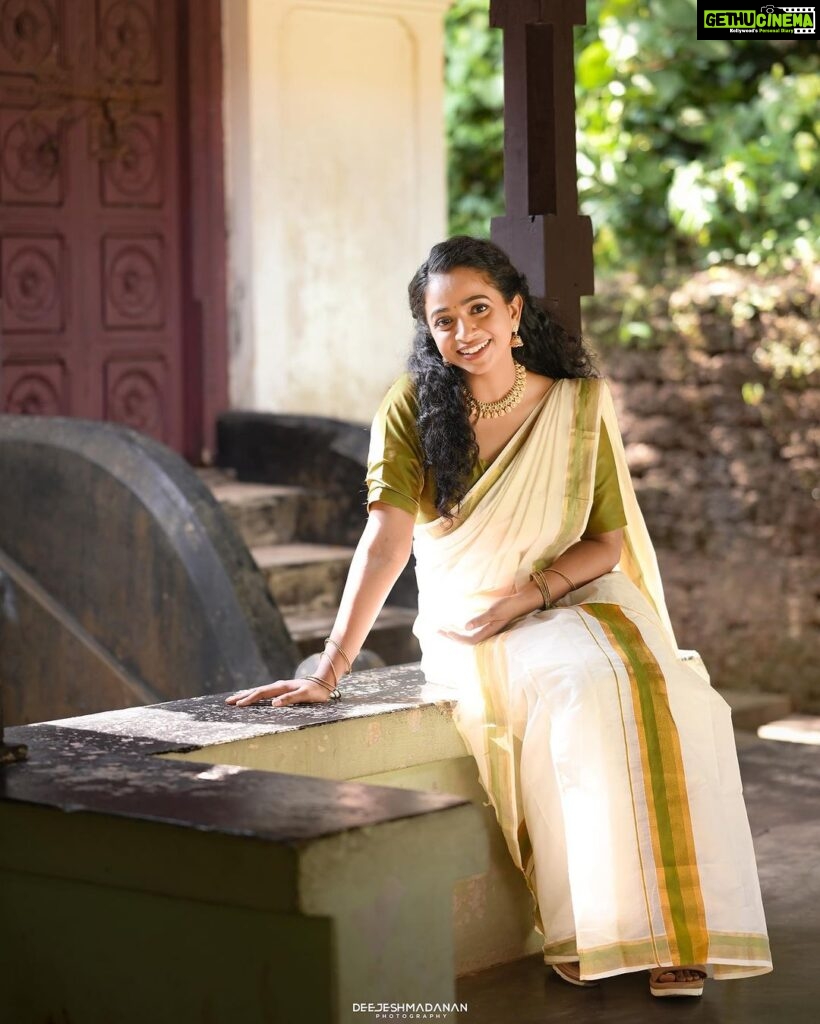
pixel 542 230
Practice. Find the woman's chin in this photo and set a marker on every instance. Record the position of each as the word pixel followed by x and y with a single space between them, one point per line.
pixel 484 361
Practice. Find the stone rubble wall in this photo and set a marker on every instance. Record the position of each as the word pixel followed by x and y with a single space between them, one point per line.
pixel 719 406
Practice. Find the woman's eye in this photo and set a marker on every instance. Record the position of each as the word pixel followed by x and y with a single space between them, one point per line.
pixel 482 307
pixel 444 322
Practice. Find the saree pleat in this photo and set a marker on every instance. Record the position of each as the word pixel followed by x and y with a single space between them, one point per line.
pixel 610 763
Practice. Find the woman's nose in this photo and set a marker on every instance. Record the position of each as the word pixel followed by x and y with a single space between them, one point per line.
pixel 464 330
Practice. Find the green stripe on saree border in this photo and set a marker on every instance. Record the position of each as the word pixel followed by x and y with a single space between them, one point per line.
pixel 568 947
pixel 580 467
pixel 749 949
pixel 742 946
pixel 617 956
pixel 665 785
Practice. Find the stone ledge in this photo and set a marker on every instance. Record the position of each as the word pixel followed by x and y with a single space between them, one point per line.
pixel 261 888
pixel 79 770
pixel 207 721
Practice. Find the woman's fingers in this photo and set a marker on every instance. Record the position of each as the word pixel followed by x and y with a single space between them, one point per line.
pixel 245 697
pixel 474 636
pixel 281 693
pixel 299 696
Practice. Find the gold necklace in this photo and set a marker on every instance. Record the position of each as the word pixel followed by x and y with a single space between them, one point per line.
pixel 503 405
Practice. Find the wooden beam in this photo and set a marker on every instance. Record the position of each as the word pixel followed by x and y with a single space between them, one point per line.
pixel 542 230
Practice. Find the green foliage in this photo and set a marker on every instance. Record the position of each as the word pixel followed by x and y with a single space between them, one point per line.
pixel 690 152
pixel 474 117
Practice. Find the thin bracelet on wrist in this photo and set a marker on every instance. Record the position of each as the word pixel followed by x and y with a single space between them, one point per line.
pixel 324 654
pixel 341 650
pixel 563 577
pixel 538 579
pixel 333 691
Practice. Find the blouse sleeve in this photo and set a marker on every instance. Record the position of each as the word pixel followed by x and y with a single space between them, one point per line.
pixel 395 465
pixel 607 512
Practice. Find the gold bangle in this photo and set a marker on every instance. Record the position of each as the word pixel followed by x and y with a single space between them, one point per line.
pixel 563 576
pixel 538 580
pixel 321 682
pixel 334 692
pixel 324 654
pixel 340 649
pixel 543 587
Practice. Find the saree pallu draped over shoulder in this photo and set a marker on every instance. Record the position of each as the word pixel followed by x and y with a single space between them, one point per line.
pixel 610 763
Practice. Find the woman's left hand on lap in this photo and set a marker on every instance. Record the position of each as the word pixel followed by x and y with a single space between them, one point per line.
pixel 495 619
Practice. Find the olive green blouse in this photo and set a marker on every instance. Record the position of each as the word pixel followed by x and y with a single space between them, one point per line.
pixel 395 465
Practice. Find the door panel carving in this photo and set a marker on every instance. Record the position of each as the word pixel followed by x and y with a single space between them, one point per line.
pixel 29 35
pixel 136 394
pixel 129 39
pixel 38 389
pixel 133 176
pixel 33 294
pixel 90 245
pixel 133 282
pixel 30 171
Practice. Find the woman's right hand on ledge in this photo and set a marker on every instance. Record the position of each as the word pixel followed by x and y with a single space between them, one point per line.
pixel 281 693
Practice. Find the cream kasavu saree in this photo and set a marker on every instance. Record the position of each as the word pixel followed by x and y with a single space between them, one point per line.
pixel 610 762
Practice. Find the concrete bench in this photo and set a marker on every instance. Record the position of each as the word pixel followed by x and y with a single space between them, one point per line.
pixel 391 729
pixel 135 886
pixel 218 773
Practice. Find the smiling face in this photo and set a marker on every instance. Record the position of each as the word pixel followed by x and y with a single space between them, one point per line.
pixel 470 320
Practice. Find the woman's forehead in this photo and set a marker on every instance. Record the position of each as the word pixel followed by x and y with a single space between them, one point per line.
pixel 456 287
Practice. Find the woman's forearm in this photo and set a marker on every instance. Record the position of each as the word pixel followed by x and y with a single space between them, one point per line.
pixel 584 561
pixel 380 556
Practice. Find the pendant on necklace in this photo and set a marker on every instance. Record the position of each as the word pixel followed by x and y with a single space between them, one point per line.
pixel 503 405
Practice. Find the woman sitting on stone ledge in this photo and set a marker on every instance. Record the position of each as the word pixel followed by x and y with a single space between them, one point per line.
pixel 610 763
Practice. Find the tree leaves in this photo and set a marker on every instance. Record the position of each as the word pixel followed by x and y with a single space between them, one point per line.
pixel 690 152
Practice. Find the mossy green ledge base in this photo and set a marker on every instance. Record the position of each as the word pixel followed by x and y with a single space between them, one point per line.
pixel 138 888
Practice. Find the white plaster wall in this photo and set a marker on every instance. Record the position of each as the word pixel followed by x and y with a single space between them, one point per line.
pixel 335 159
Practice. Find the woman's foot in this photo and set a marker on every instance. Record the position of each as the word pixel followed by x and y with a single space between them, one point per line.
pixel 677 981
pixel 571 972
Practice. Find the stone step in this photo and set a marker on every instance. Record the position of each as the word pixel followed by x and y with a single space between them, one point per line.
pixel 792 729
pixel 267 514
pixel 306 578
pixel 752 710
pixel 391 637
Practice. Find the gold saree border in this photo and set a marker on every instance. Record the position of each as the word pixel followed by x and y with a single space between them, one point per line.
pixel 665 791
pixel 580 471
pixel 732 955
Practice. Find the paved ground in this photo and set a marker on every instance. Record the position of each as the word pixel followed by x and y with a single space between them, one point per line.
pixel 782 788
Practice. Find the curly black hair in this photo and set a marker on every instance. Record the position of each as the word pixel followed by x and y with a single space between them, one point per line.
pixel 445 432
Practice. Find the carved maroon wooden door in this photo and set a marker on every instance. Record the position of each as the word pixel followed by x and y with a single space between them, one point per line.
pixel 92 254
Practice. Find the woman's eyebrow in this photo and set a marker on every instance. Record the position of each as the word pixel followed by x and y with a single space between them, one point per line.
pixel 472 298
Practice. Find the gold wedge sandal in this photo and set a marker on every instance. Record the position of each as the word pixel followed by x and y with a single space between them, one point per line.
pixel 677 987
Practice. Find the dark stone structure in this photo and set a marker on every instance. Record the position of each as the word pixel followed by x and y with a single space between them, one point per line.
pixel 122 582
pixel 314 452
pixel 320 454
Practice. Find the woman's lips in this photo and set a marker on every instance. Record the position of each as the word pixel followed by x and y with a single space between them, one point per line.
pixel 474 351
